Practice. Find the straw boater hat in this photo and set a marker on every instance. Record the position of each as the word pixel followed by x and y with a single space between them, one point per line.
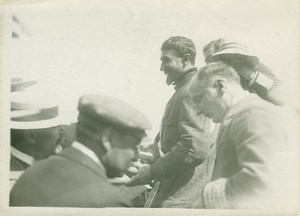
pixel 31 110
pixel 214 51
pixel 18 84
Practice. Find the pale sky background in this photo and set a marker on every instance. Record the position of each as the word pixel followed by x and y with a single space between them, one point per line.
pixel 113 47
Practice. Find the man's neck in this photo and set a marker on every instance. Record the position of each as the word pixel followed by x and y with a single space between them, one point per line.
pixel 237 95
pixel 189 68
pixel 187 71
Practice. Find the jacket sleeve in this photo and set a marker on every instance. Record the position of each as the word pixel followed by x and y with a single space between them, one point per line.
pixel 256 136
pixel 269 87
pixel 193 134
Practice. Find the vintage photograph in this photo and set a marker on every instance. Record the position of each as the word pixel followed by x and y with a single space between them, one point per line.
pixel 133 107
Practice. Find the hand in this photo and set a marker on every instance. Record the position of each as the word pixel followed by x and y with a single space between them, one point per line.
pixel 142 177
pixel 200 148
pixel 238 64
pixel 133 169
pixel 246 73
pixel 146 157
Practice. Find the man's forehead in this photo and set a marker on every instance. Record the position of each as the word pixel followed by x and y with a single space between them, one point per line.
pixel 168 52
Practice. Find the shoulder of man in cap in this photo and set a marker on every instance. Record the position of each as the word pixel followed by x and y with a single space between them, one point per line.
pixel 113 111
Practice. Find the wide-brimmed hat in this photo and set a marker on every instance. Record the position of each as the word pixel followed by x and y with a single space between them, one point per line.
pixel 222 47
pixel 18 84
pixel 30 110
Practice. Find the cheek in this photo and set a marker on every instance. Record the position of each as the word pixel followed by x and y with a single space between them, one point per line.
pixel 206 103
pixel 49 140
pixel 121 158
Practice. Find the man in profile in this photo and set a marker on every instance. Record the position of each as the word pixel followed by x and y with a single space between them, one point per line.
pixel 34 130
pixel 252 160
pixel 108 134
pixel 178 176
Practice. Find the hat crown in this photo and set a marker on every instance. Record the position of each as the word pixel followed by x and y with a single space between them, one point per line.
pixel 224 46
pixel 109 110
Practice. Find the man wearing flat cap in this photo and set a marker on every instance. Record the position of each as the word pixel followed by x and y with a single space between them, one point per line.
pixel 107 137
pixel 34 130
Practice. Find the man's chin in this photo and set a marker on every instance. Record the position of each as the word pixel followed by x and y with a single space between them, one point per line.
pixel 216 120
pixel 169 81
pixel 114 174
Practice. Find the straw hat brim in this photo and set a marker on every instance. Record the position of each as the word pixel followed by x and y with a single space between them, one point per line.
pixel 42 124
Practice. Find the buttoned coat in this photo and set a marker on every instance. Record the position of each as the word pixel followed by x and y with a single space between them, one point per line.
pixel 70 179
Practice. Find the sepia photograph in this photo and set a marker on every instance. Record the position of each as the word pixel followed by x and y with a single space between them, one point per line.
pixel 163 107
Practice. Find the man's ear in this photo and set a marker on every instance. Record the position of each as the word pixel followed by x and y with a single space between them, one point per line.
pixel 186 59
pixel 220 85
pixel 106 137
pixel 30 136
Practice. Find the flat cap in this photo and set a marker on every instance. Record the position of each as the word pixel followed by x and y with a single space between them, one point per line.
pixel 112 111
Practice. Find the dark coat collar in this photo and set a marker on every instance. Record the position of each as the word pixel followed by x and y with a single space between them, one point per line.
pixel 185 78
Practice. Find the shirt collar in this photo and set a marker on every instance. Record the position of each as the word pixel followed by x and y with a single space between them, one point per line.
pixel 79 146
pixel 22 156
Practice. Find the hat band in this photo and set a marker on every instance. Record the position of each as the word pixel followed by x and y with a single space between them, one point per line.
pixel 232 45
pixel 34 115
pixel 43 124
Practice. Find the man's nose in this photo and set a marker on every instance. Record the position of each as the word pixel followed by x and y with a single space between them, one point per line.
pixel 136 155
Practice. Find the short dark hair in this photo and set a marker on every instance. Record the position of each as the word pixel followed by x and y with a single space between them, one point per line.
pixel 181 45
pixel 210 72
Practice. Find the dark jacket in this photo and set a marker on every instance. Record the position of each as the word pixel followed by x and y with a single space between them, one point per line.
pixel 180 178
pixel 17 167
pixel 70 179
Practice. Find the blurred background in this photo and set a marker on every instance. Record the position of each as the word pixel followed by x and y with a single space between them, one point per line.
pixel 73 47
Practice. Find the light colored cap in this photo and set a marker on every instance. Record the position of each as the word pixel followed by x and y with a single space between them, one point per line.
pixel 214 51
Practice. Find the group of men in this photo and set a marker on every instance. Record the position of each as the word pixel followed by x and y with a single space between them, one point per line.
pixel 231 163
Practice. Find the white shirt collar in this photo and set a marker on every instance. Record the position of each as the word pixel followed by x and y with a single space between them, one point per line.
pixel 86 151
pixel 22 156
